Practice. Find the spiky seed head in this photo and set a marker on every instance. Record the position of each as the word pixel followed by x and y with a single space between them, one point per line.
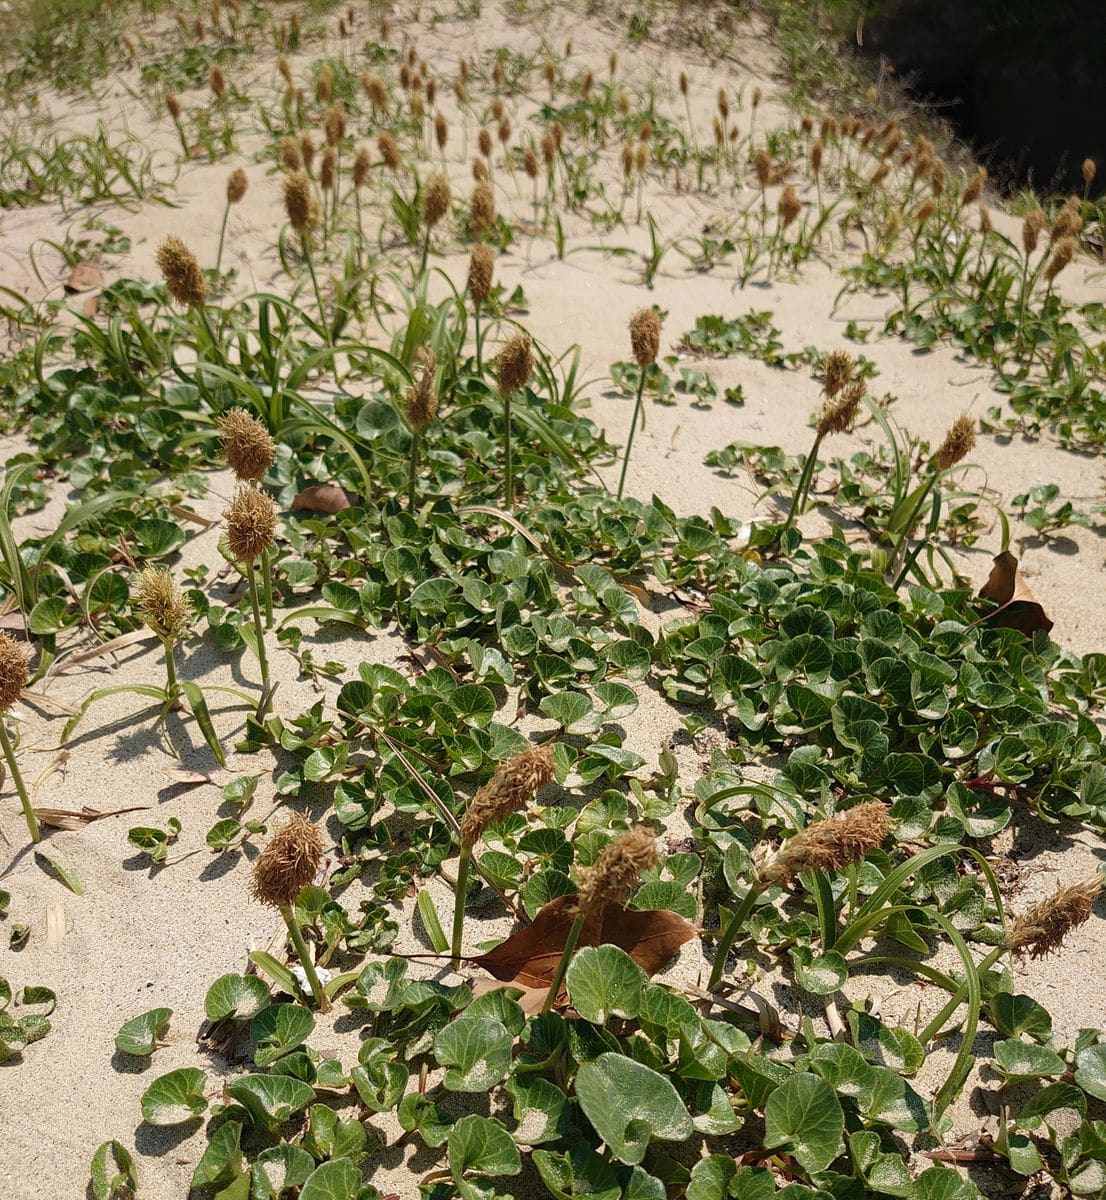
pixel 623 102
pixel 496 109
pixel 484 142
pixel 1043 927
pixel 198 29
pixel 616 870
pixel 479 169
pixel 1068 221
pixel 958 444
pixel 839 368
pixel 880 174
pixel 237 183
pixel 645 336
pixel 515 364
pixel 324 84
pixel 173 105
pixel 290 157
pixel 374 88
pixel 612 61
pixel 13 671
pixel 1032 224
pixel 938 177
pixel 838 414
pixel 405 77
pixel 530 163
pixel 181 272
pixel 1090 170
pixel 807 125
pixel 246 444
pixel 441 130
pixel 550 72
pixel 389 151
pixel 361 166
pixel 163 606
pixel 1062 254
pixel 925 210
pixel 418 108
pixel 830 844
pixel 482 207
pixel 334 125
pixel 436 198
pixel 827 128
pixel 684 84
pixel 762 164
pixel 973 189
pixel 641 157
pixel 790 205
pixel 329 170
pixel 586 84
pixel 307 150
pixel 504 131
pixel 481 269
pixel 298 201
pixel 758 95
pixel 422 400
pixel 985 226
pixel 460 92
pixel 513 786
pixel 627 160
pixel 548 148
pixel 568 48
pixel 251 524
pixel 288 863
pixel 816 152
pixel 723 104
pixel 217 81
pixel 285 68
pixel 497 73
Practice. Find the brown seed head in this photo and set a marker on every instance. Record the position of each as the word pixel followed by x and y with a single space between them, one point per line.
pixel 173 105
pixel 973 189
pixel 641 157
pixel 548 148
pixel 484 141
pixel 558 131
pixel 479 169
pixel 361 165
pixel 324 84
pixel 612 61
pixel 758 95
pixel 723 104
pixel 1068 221
pixel 838 415
pixel 550 72
pixel 436 198
pixel 616 871
pixel 481 269
pixel 586 84
pixel 329 169
pixel 374 88
pixel 285 68
pixel 1032 225
pixel 389 151
pixel 307 151
pixel 246 444
pixel 645 336
pixel 290 156
pixel 431 91
pixel 1062 254
pixel 925 210
pixel 790 206
pixel 830 844
pixel 827 129
pixel 217 81
pixel 1090 170
pixel 162 604
pixel 959 443
pixel 762 164
pixel 938 177
pixel 880 174
pixel 627 160
pixel 237 183
pixel 497 110
pixel 181 272
pixel 334 125
pixel 482 207
pixel 684 84
pixel 1043 927
pixel 513 786
pixel 287 864
pixel 504 131
pixel 807 125
pixel 422 400
pixel 530 163
pixel 251 524
pixel 13 671
pixel 297 201
pixel 816 152
pixel 441 130
pixel 515 364
pixel 985 226
pixel 838 372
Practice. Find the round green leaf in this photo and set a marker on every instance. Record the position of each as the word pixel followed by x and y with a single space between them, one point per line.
pixel 821 974
pixel 482 1146
pixel 280 1167
pixel 629 1105
pixel 279 1029
pixel 803 1117
pixel 476 1051
pixel 237 996
pixel 1026 1060
pixel 338 1179
pixel 270 1099
pixel 174 1098
pixel 604 981
pixel 140 1035
pixel 1090 1070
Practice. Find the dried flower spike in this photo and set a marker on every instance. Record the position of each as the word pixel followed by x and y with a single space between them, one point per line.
pixel 514 784
pixel 958 444
pixel 481 269
pixel 515 364
pixel 422 400
pixel 13 671
pixel 181 272
pixel 1043 927
pixel 482 207
pixel 645 336
pixel 830 844
pixel 237 184
pixel 297 202
pixel 838 372
pixel 163 606
pixel 838 415
pixel 251 524
pixel 246 444
pixel 288 863
pixel 616 871
pixel 436 198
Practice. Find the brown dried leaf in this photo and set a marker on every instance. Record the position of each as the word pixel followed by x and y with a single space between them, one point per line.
pixel 1018 608
pixel 85 277
pixel 325 498
pixel 529 957
pixel 90 305
pixel 182 777
pixel 64 818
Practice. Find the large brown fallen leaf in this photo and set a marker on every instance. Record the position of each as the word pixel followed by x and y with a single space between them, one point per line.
pixel 528 958
pixel 325 498
pixel 85 277
pixel 1018 608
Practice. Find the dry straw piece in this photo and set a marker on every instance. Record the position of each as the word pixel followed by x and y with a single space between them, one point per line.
pixel 1043 927
pixel 288 863
pixel 297 201
pixel 246 444
pixel 616 871
pixel 13 671
pixel 251 524
pixel 515 364
pixel 645 336
pixel 181 272
pixel 481 270
pixel 959 443
pixel 514 784
pixel 163 606
pixel 830 844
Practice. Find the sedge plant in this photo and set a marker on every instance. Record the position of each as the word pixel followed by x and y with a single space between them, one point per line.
pixel 249 451
pixel 421 409
pixel 513 370
pixel 251 527
pixel 645 340
pixel 13 679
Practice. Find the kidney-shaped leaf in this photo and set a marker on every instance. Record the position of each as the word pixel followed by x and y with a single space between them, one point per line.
pixel 604 981
pixel 174 1098
pixel 476 1051
pixel 270 1099
pixel 140 1035
pixel 804 1117
pixel 482 1146
pixel 629 1105
pixel 338 1179
pixel 237 996
pixel 279 1029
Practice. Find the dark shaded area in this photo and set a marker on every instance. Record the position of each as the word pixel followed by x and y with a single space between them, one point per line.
pixel 1023 81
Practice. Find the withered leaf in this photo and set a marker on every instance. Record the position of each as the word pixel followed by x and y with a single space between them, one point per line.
pixel 85 277
pixel 1018 608
pixel 529 957
pixel 65 818
pixel 325 498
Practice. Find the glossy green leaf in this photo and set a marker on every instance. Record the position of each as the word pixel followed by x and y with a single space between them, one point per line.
pixel 629 1105
pixel 140 1035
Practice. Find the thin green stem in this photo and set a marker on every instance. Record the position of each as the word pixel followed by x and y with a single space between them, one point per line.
pixel 259 630
pixel 267 587
pixel 172 688
pixel 460 891
pixel 900 546
pixel 509 473
pixel 798 500
pixel 20 786
pixel 633 428
pixel 562 965
pixel 315 285
pixel 222 237
pixel 412 473
pixel 729 934
pixel 295 936
pixel 476 321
